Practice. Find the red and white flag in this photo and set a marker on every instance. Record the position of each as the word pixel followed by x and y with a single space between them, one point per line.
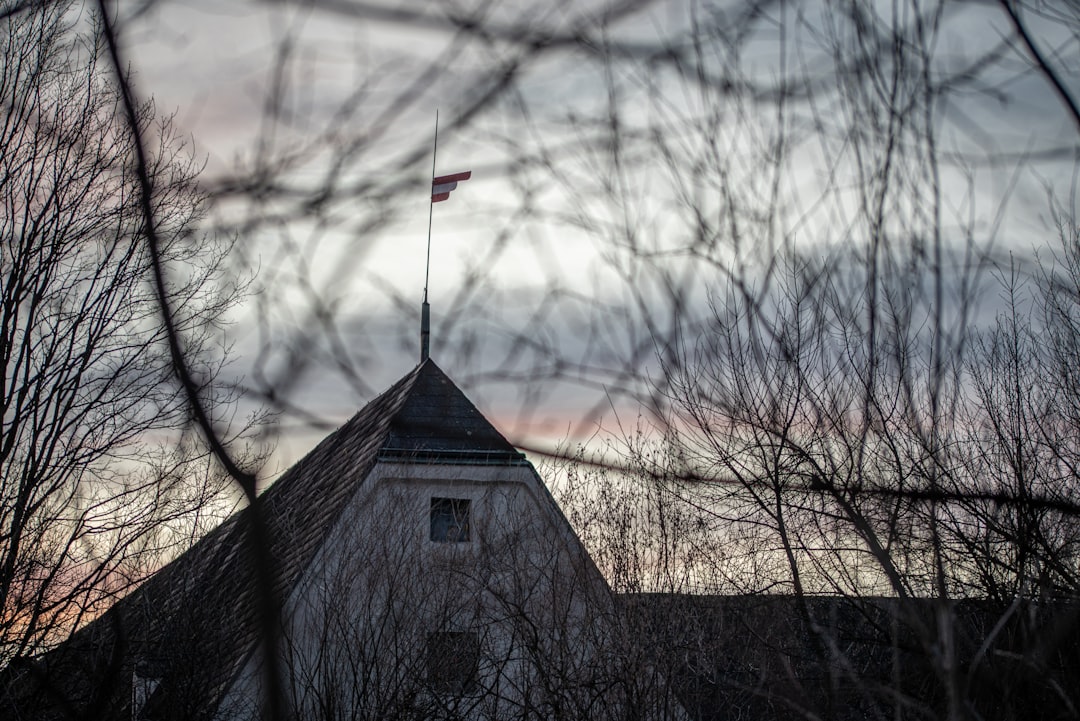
pixel 442 185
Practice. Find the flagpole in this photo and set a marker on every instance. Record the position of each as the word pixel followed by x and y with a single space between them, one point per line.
pixel 431 204
pixel 425 309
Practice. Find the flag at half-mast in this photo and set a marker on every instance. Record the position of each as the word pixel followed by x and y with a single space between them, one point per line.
pixel 442 185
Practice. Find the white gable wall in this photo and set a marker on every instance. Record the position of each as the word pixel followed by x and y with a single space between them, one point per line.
pixel 356 635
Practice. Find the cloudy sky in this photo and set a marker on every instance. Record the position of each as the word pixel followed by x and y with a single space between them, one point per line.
pixel 607 140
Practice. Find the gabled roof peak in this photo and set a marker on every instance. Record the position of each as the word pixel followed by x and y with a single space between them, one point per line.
pixel 436 423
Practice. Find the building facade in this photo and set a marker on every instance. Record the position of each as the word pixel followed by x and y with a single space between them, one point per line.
pixel 419 569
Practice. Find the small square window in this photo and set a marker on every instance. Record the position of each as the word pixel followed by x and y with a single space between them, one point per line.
pixel 450 520
pixel 453 660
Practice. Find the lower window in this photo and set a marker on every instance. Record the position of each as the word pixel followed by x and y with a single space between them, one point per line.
pixel 453 660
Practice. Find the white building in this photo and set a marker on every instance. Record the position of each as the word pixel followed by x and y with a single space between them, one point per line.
pixel 421 569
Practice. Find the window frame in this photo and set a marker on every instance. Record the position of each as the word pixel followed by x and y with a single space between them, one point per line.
pixel 450 520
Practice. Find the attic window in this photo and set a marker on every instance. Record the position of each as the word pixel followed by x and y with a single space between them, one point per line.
pixel 450 520
pixel 453 661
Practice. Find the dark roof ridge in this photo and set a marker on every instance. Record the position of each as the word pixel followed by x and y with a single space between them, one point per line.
pixel 438 423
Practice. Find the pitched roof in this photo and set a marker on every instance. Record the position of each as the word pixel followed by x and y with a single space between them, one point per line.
pixel 205 602
pixel 437 423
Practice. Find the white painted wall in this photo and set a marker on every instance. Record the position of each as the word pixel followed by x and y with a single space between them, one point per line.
pixel 355 629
